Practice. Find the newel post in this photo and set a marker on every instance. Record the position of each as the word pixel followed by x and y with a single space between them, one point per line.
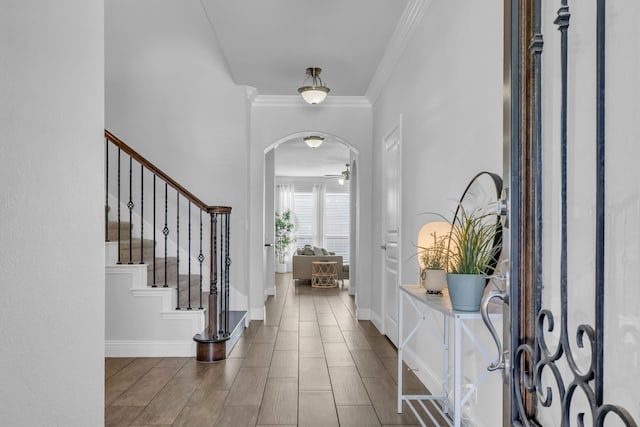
pixel 211 344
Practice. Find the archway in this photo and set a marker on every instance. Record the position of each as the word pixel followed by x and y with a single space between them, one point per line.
pixel 269 205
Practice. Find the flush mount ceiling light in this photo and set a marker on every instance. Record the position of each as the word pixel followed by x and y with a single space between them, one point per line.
pixel 313 141
pixel 344 176
pixel 315 93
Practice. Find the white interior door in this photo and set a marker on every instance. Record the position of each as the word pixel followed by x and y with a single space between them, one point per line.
pixel 391 232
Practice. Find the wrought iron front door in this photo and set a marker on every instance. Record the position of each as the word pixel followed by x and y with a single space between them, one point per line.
pixel 572 122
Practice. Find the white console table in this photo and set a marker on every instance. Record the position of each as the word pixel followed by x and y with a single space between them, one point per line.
pixel 426 306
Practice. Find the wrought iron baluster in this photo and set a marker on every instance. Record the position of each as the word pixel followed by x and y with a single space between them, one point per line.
pixel 141 214
pixel 223 275
pixel 154 285
pixel 130 207
pixel 189 260
pixel 227 274
pixel 177 250
pixel 200 260
pixel 106 190
pixel 119 243
pixel 165 231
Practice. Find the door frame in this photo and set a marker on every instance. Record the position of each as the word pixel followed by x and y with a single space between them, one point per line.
pixel 355 194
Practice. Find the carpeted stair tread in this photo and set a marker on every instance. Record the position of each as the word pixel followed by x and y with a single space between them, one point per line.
pixel 172 265
pixel 183 290
pixel 134 246
pixel 112 231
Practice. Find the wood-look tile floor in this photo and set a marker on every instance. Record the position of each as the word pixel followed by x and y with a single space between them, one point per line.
pixel 309 363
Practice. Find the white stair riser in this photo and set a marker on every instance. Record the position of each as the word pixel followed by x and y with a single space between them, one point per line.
pixel 142 321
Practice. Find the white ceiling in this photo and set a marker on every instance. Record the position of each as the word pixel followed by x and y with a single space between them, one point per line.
pixel 268 44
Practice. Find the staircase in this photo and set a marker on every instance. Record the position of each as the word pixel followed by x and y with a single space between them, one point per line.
pixel 130 254
pixel 144 318
pixel 157 289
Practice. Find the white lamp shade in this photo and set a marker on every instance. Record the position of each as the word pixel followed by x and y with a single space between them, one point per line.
pixel 314 94
pixel 425 235
pixel 341 180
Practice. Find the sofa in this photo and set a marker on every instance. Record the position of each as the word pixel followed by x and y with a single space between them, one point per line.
pixel 305 256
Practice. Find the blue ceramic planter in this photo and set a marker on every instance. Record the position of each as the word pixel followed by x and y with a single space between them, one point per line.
pixel 465 291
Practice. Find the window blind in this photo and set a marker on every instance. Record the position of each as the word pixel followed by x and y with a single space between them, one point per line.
pixel 335 218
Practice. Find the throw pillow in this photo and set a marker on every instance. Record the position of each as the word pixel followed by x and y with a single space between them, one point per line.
pixel 317 251
pixel 308 251
pixel 324 251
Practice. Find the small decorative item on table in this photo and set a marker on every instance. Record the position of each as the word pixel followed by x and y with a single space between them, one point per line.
pixel 433 255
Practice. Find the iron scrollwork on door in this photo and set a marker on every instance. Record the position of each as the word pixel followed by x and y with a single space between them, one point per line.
pixel 554 361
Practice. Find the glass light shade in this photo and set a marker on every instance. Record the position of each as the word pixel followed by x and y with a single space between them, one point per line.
pixel 314 94
pixel 341 180
pixel 313 141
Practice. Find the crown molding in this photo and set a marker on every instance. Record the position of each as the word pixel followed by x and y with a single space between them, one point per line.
pixel 297 101
pixel 409 21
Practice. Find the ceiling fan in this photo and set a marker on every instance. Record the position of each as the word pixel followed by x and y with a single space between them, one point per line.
pixel 344 175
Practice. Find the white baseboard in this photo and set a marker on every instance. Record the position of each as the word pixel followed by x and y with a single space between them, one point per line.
pixel 377 322
pixel 256 314
pixel 150 348
pixel 363 313
pixel 111 253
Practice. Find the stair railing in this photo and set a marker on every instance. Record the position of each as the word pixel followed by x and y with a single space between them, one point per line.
pixel 134 202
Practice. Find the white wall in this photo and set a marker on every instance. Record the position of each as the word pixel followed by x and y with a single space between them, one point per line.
pixel 273 121
pixel 169 95
pixel 52 210
pixel 622 293
pixel 448 88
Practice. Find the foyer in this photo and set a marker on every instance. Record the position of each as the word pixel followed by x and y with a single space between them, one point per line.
pixel 309 363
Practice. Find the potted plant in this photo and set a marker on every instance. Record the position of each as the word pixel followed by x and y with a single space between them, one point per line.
pixel 477 242
pixel 433 260
pixel 284 227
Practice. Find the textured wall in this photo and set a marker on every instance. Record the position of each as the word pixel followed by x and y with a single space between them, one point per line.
pixel 51 210
pixel 169 95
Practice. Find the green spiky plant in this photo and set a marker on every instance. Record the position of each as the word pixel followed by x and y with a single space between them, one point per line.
pixel 435 257
pixel 476 241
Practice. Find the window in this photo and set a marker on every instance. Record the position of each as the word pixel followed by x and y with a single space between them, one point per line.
pixel 303 219
pixel 337 224
pixel 330 226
